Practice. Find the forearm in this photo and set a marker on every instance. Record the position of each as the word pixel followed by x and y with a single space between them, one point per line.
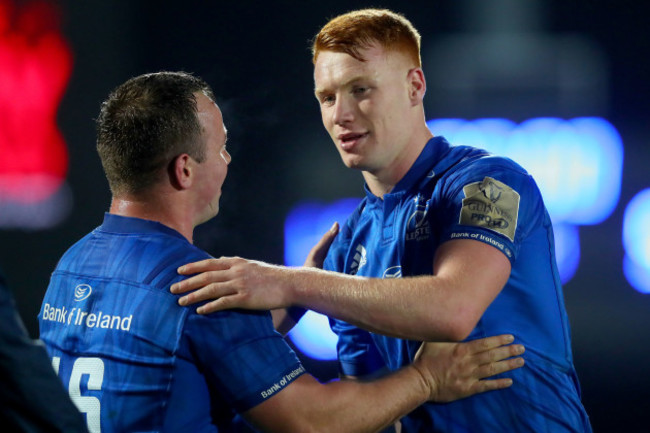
pixel 445 306
pixel 343 406
pixel 417 308
pixel 383 401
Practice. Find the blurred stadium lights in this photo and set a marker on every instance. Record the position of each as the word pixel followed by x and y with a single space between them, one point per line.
pixel 636 241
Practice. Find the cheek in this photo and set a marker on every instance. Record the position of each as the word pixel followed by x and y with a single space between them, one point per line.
pixel 222 171
pixel 326 118
pixel 370 111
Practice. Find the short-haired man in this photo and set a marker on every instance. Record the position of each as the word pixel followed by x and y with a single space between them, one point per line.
pixel 467 231
pixel 134 360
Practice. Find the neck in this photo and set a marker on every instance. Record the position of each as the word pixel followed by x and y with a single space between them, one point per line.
pixel 154 211
pixel 381 182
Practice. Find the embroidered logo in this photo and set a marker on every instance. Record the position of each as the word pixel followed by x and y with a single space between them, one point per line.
pixel 393 272
pixel 359 260
pixel 81 292
pixel 417 225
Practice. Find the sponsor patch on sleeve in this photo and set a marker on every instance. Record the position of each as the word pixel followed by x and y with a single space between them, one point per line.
pixel 491 204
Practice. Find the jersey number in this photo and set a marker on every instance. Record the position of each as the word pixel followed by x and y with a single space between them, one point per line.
pixel 94 368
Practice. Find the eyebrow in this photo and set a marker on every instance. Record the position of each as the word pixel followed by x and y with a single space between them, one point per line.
pixel 349 82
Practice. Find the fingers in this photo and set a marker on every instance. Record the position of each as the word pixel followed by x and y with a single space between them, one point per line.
pixel 205 292
pixel 319 251
pixel 494 368
pixel 500 353
pixel 207 272
pixel 464 369
pixel 207 265
pixel 195 282
pixel 486 344
pixel 495 355
pixel 217 305
pixel 491 385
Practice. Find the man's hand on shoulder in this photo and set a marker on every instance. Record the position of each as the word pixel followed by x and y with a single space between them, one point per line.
pixel 234 282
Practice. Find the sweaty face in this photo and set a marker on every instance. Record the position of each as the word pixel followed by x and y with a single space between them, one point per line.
pixel 365 106
pixel 212 172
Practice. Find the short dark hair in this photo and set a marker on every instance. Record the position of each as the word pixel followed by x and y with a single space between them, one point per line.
pixel 144 124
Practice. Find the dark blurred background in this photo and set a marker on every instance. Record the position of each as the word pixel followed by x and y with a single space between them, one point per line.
pixel 256 56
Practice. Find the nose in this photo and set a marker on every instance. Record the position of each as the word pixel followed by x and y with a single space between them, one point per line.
pixel 343 111
pixel 225 156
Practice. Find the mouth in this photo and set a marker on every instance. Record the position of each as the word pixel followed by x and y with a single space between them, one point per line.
pixel 350 139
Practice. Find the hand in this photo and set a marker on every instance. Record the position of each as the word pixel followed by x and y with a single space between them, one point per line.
pixel 456 370
pixel 317 255
pixel 233 282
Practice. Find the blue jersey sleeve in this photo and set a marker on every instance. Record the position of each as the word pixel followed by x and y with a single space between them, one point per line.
pixel 491 200
pixel 244 360
pixel 357 353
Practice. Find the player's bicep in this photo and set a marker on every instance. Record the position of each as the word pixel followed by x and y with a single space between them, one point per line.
pixel 477 270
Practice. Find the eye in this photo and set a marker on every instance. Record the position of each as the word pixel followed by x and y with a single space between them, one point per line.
pixel 327 99
pixel 360 90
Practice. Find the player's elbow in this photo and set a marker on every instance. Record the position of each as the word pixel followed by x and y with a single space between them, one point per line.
pixel 459 332
pixel 458 326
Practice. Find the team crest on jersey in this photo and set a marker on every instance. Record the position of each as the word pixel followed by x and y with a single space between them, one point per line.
pixel 82 291
pixel 393 272
pixel 359 259
pixel 491 204
pixel 417 225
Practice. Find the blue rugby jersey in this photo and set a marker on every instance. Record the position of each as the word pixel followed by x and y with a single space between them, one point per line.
pixel 132 358
pixel 465 193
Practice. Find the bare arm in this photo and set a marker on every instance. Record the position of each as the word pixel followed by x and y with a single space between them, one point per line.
pixel 340 406
pixel 442 372
pixel 446 306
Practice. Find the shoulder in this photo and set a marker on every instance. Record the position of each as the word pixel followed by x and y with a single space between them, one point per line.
pixel 478 161
pixel 165 262
pixel 480 167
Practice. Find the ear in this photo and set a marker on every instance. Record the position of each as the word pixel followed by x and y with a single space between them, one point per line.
pixel 417 85
pixel 180 171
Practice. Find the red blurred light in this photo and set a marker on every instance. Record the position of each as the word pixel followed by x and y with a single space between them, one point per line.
pixel 35 66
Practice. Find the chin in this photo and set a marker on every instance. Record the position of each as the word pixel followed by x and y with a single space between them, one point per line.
pixel 208 216
pixel 355 163
pixel 350 160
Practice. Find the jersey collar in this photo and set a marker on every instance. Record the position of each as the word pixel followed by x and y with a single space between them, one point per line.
pixel 131 225
pixel 425 165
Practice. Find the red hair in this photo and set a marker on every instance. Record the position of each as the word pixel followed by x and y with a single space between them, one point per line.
pixel 351 32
